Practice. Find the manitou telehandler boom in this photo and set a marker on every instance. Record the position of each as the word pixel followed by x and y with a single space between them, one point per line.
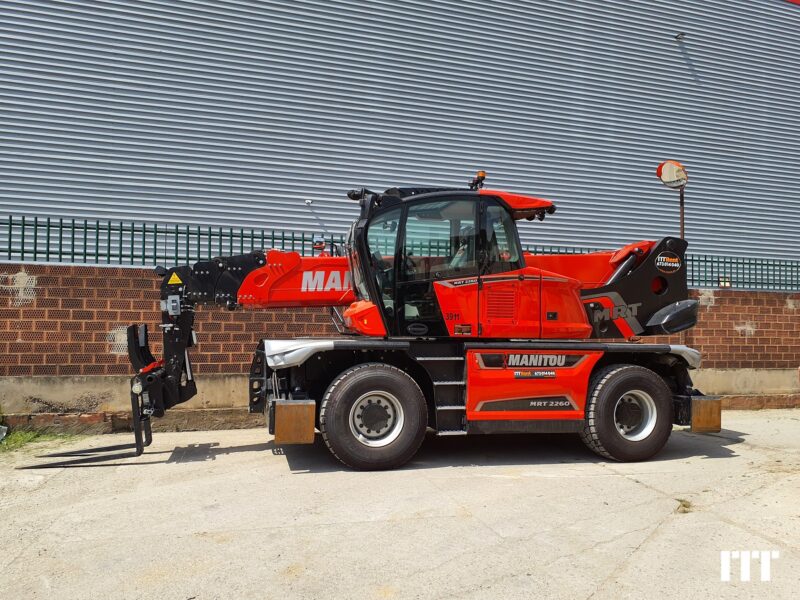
pixel 447 325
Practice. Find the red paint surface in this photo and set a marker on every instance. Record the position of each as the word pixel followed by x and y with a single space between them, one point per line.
pixel 490 384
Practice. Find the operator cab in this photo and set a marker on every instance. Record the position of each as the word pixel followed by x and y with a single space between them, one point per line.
pixel 444 262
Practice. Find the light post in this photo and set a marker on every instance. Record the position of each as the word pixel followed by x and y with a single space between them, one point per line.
pixel 673 175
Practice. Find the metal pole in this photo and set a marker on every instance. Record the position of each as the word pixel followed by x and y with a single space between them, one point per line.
pixel 683 237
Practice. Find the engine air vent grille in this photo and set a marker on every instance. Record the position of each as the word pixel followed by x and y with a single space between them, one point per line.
pixel 501 304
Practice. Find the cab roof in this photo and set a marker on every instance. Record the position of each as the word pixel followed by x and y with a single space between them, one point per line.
pixel 519 203
pixel 522 206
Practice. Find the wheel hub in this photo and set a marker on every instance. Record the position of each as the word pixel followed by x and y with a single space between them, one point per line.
pixel 376 419
pixel 629 414
pixel 635 415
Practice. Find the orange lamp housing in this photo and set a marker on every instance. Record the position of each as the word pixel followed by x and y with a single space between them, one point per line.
pixel 365 318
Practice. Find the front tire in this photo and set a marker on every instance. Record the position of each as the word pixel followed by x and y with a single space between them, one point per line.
pixel 373 416
pixel 628 413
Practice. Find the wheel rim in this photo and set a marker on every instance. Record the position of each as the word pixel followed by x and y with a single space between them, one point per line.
pixel 635 415
pixel 376 419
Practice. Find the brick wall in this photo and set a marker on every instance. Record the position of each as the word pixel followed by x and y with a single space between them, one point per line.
pixel 70 320
pixel 740 330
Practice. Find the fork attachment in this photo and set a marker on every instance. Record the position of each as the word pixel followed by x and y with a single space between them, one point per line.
pixel 160 384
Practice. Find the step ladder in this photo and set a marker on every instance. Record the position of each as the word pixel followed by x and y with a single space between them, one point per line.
pixel 449 390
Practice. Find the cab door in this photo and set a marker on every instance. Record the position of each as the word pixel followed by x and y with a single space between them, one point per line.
pixel 509 296
pixel 437 269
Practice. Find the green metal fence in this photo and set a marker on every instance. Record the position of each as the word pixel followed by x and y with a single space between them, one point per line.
pixel 42 239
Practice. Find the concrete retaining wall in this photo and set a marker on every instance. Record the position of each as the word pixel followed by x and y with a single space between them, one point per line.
pixel 82 394
pixel 107 394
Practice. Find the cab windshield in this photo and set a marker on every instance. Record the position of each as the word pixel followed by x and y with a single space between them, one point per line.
pixel 382 241
pixel 356 272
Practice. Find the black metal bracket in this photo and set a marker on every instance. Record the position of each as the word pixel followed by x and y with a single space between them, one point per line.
pixel 160 384
pixel 142 431
pixel 259 380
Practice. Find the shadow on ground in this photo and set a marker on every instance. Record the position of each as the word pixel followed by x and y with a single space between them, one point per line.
pixel 511 450
pixel 436 452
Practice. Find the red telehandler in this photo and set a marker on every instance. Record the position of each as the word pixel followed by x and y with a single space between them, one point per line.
pixel 446 324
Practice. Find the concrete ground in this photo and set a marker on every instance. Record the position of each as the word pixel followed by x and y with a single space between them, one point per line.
pixel 224 514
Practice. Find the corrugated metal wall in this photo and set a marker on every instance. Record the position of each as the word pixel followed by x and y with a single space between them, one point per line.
pixel 236 113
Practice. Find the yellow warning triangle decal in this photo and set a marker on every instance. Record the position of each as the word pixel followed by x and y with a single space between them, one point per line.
pixel 174 279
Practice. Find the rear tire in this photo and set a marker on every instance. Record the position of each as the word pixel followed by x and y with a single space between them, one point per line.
pixel 373 416
pixel 628 413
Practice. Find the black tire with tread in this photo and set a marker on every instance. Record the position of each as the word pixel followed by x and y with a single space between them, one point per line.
pixel 605 388
pixel 335 413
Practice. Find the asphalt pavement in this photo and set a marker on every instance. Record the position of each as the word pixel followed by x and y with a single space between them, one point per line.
pixel 226 514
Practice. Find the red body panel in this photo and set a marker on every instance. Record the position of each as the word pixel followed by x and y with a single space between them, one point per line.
pixel 458 302
pixel 514 304
pixel 593 269
pixel 562 295
pixel 289 279
pixel 508 385
pixel 510 305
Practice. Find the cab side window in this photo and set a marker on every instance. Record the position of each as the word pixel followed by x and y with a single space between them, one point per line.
pixel 502 247
pixel 441 241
